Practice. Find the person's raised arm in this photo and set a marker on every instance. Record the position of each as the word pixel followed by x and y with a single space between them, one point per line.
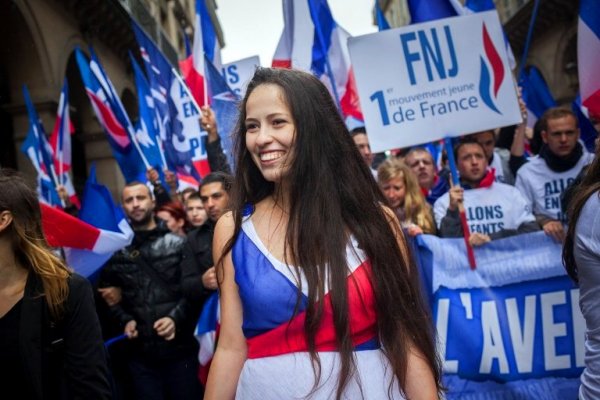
pixel 231 350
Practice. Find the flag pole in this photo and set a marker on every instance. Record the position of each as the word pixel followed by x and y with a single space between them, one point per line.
pixel 528 39
pixel 461 206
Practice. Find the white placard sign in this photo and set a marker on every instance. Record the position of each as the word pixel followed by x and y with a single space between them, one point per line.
pixel 238 73
pixel 423 82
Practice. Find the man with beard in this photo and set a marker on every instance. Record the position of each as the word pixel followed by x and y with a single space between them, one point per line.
pixel 156 317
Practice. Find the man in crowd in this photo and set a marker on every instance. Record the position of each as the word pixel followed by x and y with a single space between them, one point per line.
pixel 150 305
pixel 420 161
pixel 496 158
pixel 493 209
pixel 544 178
pixel 214 193
pixel 359 135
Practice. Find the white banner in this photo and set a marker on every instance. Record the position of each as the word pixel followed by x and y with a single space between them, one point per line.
pixel 423 82
pixel 238 73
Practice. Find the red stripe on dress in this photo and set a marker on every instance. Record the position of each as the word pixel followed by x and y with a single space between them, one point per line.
pixel 289 337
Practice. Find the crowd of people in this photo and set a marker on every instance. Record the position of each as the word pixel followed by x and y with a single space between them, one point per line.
pixel 307 245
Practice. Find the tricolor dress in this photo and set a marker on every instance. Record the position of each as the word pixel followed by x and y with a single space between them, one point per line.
pixel 278 364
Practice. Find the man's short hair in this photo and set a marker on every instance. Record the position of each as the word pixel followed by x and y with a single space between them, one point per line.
pixel 464 141
pixel 226 180
pixel 358 131
pixel 136 183
pixel 195 195
pixel 556 113
pixel 418 149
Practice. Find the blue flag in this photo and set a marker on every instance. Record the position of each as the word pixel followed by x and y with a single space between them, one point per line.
pixel 38 150
pixel 179 126
pixel 99 210
pixel 382 23
pixel 147 130
pixel 112 117
pixel 225 105
pixel 480 5
pixel 536 94
pixel 429 10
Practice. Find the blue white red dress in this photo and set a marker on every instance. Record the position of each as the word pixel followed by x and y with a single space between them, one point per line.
pixel 278 364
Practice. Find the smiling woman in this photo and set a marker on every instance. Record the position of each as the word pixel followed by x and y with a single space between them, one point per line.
pixel 307 219
pixel 270 131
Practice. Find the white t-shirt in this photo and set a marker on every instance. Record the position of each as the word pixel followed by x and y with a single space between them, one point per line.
pixel 489 210
pixel 542 187
pixel 497 165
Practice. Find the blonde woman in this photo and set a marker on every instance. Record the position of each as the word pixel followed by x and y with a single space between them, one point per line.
pixel 50 338
pixel 404 196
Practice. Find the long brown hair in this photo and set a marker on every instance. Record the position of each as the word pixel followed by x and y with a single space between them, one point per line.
pixel 332 193
pixel 416 209
pixel 589 185
pixel 29 243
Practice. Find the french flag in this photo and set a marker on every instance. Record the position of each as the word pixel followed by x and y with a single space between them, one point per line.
pixel 60 142
pixel 91 240
pixel 112 116
pixel 206 333
pixel 39 151
pixel 313 41
pixel 588 55
pixel 205 42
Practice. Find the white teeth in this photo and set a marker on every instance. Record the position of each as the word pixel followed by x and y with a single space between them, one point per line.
pixel 273 155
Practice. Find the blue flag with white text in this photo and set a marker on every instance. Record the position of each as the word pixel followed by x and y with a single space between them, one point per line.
pixel 147 133
pixel 224 103
pixel 112 116
pixel 179 126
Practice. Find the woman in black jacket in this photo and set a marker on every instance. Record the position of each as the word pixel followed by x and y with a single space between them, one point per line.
pixel 50 337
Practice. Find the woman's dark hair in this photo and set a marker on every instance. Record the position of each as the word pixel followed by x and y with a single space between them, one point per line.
pixel 332 195
pixel 28 240
pixel 589 185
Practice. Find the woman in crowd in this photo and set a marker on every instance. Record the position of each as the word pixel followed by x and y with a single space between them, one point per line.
pixel 175 217
pixel 581 256
pixel 404 196
pixel 319 298
pixel 50 338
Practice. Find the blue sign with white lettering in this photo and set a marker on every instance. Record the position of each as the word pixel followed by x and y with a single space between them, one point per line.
pixel 511 325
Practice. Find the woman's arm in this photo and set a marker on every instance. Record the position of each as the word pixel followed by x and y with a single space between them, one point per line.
pixel 419 378
pixel 231 351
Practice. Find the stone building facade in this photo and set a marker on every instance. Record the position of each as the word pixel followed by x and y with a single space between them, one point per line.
pixel 38 39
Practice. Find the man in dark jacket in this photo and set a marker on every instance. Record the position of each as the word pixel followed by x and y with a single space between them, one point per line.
pixel 214 193
pixel 156 316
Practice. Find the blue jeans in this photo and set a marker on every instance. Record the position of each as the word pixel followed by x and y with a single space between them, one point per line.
pixel 171 379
